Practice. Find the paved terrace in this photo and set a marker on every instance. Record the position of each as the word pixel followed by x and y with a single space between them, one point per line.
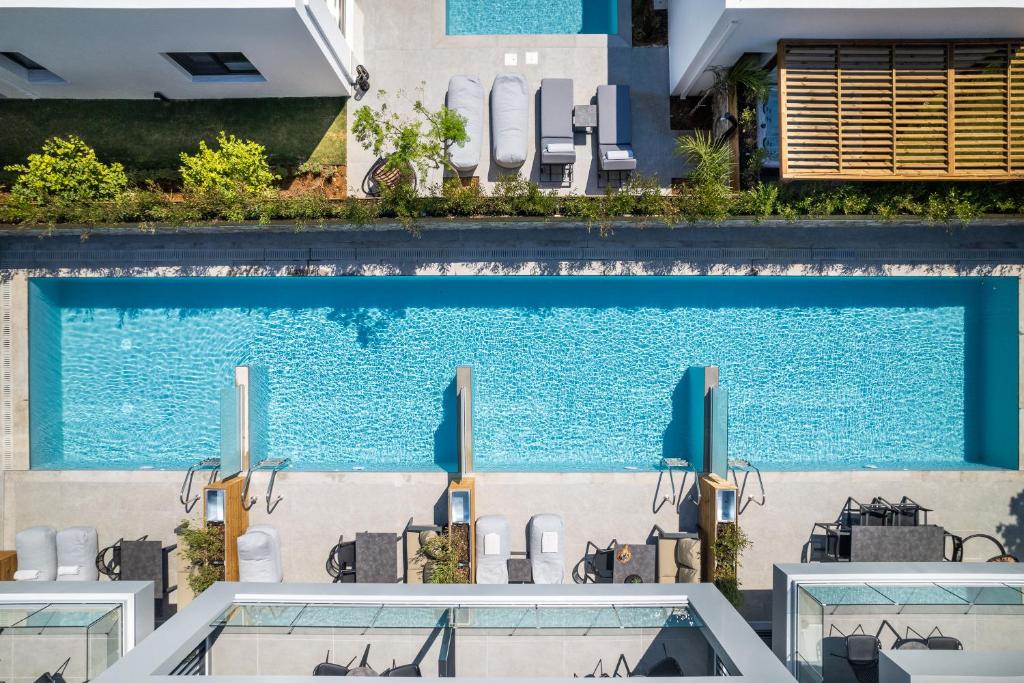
pixel 320 506
pixel 405 47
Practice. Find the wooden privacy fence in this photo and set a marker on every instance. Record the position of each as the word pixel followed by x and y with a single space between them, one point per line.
pixel 913 110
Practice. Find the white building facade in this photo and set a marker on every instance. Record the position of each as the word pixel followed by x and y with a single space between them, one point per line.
pixel 178 49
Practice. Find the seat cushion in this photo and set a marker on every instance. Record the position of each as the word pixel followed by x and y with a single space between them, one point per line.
pixel 466 97
pixel 37 550
pixel 510 119
pixel 258 561
pixel 76 550
pixel 667 567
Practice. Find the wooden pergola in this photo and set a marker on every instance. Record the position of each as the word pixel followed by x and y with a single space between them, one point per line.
pixel 911 110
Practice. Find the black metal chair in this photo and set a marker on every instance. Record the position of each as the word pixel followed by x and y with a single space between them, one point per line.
pixel 956 545
pixel 329 668
pixel 596 564
pixel 862 653
pixel 666 667
pixel 404 671
pixel 341 562
pixel 907 512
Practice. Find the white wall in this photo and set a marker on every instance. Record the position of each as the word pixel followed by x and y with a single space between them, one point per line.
pixel 703 33
pixel 114 49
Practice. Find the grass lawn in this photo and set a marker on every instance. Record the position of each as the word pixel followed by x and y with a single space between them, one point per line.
pixel 147 135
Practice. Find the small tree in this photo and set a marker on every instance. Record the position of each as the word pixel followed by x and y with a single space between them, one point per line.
pixel 203 549
pixel 420 142
pixel 67 169
pixel 237 169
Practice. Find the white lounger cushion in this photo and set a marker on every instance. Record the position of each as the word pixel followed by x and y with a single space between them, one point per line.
pixel 492 567
pixel 546 549
pixel 619 154
pixel 466 96
pixel 37 551
pixel 259 555
pixel 561 147
pixel 76 554
pixel 510 119
pixel 26 575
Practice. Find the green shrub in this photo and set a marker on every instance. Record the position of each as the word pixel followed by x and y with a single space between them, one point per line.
pixel 444 556
pixel 203 549
pixel 232 175
pixel 759 201
pixel 707 194
pixel 67 169
pixel 730 544
pixel 514 195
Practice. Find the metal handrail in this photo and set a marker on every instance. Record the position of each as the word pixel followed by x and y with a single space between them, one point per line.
pixel 275 465
pixel 735 464
pixel 185 496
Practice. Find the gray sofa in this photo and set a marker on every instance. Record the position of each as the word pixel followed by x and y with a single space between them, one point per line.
pixel 466 97
pixel 615 129
pixel 556 134
pixel 510 119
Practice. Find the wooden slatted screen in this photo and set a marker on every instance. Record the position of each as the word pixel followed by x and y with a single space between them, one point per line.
pixel 917 110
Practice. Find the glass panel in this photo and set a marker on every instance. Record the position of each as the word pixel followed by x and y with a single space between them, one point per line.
pixel 230 437
pixel 282 615
pixel 810 631
pixel 103 646
pixel 987 595
pixel 858 594
pixel 57 616
pixel 920 595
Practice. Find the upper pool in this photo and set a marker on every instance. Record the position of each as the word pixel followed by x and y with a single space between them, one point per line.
pixel 494 17
pixel 570 373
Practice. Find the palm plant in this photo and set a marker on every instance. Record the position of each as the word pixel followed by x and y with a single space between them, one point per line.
pixel 747 74
pixel 711 158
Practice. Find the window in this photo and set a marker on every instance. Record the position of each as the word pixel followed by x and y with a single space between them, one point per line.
pixel 200 64
pixel 34 71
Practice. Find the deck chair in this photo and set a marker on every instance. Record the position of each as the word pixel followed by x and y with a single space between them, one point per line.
pixel 492 549
pixel 615 132
pixel 546 535
pixel 557 146
pixel 259 555
pixel 510 119
pixel 36 548
pixel 466 98
pixel 77 548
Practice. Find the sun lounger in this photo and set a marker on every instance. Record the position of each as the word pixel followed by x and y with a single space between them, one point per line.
pixel 615 129
pixel 492 549
pixel 557 147
pixel 510 119
pixel 259 555
pixel 466 97
pixel 547 548
pixel 76 554
pixel 37 554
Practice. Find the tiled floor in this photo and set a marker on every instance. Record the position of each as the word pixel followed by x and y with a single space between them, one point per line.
pixel 406 50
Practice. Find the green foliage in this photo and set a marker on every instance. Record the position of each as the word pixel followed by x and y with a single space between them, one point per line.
pixel 514 195
pixel 707 194
pixel 730 543
pixel 229 180
pixel 419 142
pixel 203 548
pixel 747 74
pixel 67 170
pixel 444 555
pixel 759 201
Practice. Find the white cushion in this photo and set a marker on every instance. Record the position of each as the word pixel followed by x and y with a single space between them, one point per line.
pixel 259 557
pixel 76 554
pixel 37 550
pixel 561 147
pixel 26 575
pixel 549 542
pixel 492 544
pixel 618 154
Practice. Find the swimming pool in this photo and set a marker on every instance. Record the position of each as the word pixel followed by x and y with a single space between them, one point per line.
pixel 494 17
pixel 570 373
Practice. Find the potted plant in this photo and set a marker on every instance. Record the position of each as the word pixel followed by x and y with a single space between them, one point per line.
pixel 447 556
pixel 407 147
pixel 730 543
pixel 202 547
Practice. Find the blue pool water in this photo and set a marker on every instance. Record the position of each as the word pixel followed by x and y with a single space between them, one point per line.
pixel 570 373
pixel 494 17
